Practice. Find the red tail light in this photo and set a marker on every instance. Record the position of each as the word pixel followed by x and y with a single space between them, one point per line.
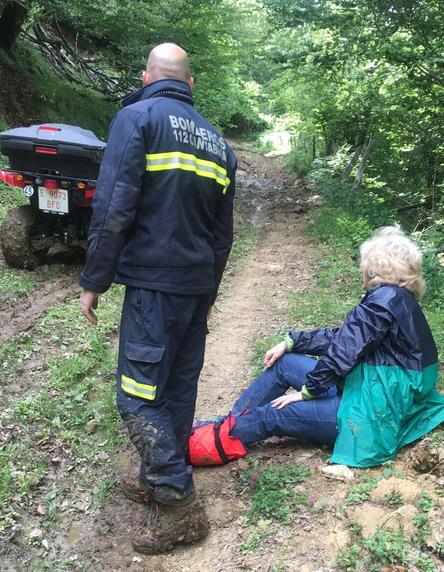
pixel 48 128
pixel 50 184
pixel 44 150
pixel 83 197
pixel 14 179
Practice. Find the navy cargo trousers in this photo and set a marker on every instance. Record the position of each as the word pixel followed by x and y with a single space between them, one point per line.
pixel 161 353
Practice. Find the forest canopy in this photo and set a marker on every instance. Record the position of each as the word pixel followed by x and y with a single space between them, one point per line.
pixel 358 84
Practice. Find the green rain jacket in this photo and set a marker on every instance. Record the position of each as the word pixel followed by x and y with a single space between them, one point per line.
pixel 387 357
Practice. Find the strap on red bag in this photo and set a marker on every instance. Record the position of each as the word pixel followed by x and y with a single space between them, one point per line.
pixel 212 444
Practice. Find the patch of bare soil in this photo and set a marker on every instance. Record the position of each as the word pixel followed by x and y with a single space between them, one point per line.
pixel 21 313
pixel 16 97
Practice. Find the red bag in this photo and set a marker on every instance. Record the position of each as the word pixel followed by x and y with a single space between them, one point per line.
pixel 212 444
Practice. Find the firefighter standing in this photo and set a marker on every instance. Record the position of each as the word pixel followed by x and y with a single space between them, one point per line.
pixel 162 225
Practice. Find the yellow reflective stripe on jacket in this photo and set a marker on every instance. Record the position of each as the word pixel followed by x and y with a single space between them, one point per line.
pixel 187 162
pixel 145 391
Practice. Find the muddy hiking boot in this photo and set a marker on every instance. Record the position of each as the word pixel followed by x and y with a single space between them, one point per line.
pixel 133 490
pixel 169 525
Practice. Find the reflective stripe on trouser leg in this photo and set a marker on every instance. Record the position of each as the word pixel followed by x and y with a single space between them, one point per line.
pixel 151 423
pixel 138 389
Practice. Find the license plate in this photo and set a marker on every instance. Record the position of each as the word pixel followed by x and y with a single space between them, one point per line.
pixel 53 200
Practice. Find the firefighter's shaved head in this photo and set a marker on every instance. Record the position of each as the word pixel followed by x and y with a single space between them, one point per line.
pixel 167 61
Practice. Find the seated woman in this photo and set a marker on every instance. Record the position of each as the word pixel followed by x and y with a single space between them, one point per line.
pixel 372 391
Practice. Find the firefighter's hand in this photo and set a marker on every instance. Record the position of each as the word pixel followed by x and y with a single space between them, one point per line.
pixel 88 302
pixel 274 354
pixel 284 400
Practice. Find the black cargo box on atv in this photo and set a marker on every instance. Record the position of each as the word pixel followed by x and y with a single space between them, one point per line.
pixel 68 149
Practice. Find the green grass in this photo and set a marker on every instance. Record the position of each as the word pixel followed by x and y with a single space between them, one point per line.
pixel 394 499
pixel 388 547
pixel 274 497
pixel 10 197
pixel 435 317
pixel 361 492
pixel 272 491
pixel 254 540
pixel 16 281
pixel 106 490
pixel 246 239
pixel 65 103
pixel 52 99
pixel 76 386
pixel 383 549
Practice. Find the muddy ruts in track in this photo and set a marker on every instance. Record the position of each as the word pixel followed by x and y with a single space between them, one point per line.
pixel 24 313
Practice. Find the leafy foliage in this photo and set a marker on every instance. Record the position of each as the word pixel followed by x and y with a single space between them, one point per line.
pixel 355 75
pixel 104 46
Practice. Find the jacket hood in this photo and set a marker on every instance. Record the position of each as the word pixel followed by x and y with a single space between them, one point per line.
pixel 175 88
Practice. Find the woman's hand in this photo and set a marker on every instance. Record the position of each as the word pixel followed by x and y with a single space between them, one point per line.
pixel 284 400
pixel 274 354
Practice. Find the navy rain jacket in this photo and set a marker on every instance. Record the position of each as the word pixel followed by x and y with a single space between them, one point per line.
pixel 387 328
pixel 163 208
pixel 385 353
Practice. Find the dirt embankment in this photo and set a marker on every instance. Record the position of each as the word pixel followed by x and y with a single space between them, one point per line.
pixel 16 97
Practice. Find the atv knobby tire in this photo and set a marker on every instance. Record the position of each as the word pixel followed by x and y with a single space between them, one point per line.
pixel 15 238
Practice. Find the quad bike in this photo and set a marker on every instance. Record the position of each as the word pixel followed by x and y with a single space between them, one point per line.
pixel 57 167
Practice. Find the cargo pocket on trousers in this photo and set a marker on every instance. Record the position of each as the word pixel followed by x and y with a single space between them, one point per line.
pixel 140 370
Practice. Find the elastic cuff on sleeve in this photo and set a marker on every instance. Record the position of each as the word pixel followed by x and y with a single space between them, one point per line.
pixel 289 344
pixel 92 284
pixel 307 395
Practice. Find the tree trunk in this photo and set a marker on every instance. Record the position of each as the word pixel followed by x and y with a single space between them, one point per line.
pixel 360 173
pixel 349 168
pixel 12 17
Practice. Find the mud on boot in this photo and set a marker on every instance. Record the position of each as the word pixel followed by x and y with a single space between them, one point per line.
pixel 133 489
pixel 170 525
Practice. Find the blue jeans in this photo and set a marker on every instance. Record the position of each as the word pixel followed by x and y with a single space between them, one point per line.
pixel 313 420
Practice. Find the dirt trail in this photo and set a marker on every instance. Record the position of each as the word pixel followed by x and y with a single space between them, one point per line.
pixel 252 305
pixel 255 301
pixel 250 308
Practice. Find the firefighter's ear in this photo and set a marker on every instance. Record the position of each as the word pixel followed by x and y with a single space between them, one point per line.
pixel 146 77
pixel 190 82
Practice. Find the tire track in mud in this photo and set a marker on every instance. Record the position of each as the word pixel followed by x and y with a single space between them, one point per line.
pixel 27 310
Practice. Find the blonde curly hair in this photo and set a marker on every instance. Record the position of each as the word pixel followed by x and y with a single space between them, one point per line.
pixel 389 257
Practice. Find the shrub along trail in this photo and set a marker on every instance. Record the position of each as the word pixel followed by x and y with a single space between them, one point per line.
pixel 63 447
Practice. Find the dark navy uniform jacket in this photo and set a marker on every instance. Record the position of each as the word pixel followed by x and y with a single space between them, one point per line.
pixel 163 208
